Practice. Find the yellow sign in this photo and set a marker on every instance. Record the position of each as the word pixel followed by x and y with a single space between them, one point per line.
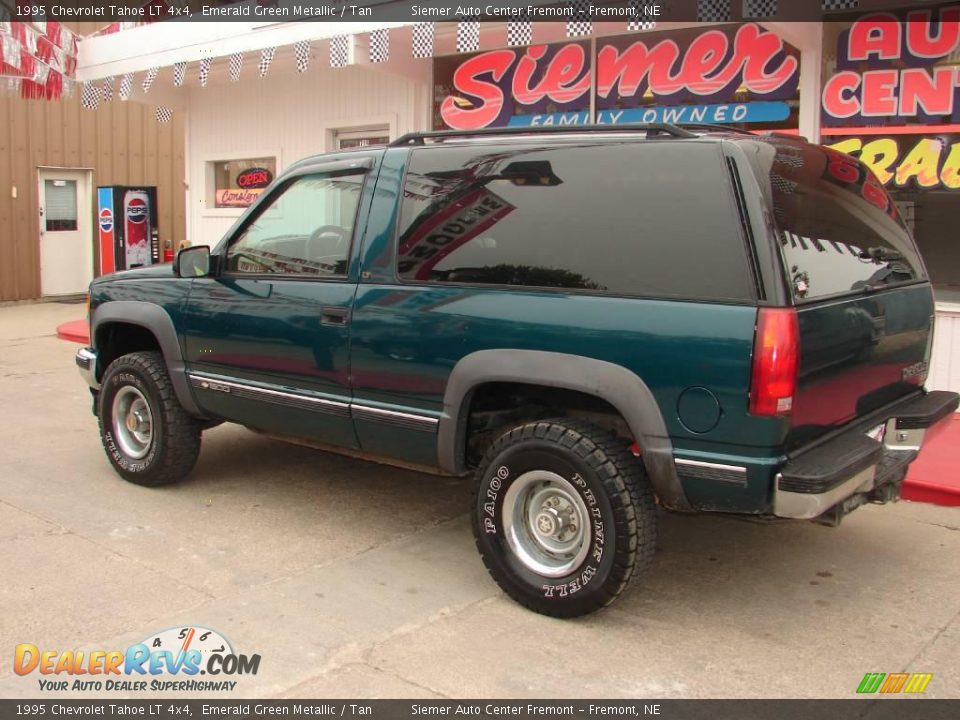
pixel 928 163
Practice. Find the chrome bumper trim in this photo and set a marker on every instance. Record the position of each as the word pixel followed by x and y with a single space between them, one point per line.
pixel 894 439
pixel 86 360
pixel 806 506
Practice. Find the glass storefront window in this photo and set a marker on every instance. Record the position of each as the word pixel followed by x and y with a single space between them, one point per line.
pixel 237 183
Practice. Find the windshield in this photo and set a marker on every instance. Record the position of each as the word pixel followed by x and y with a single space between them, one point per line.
pixel 839 230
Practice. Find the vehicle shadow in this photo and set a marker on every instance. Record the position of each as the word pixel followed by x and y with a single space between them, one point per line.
pixel 710 571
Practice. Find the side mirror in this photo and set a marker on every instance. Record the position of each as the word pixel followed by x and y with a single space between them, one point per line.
pixel 193 262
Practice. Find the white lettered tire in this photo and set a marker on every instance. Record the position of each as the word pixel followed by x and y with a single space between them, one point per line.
pixel 563 516
pixel 147 435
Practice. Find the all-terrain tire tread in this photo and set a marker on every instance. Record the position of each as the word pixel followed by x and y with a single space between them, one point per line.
pixel 183 432
pixel 624 480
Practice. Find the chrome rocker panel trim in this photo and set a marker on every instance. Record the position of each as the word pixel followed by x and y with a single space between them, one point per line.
pixel 306 401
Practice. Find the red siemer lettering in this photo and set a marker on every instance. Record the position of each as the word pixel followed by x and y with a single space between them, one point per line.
pixel 700 71
pixel 704 70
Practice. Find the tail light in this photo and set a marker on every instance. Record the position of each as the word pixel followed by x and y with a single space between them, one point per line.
pixel 776 357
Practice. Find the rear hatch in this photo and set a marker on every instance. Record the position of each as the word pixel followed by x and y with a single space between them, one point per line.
pixel 864 305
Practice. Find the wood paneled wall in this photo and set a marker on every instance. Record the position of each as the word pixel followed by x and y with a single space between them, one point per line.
pixel 120 141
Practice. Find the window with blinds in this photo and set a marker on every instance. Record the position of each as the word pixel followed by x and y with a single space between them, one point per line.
pixel 60 205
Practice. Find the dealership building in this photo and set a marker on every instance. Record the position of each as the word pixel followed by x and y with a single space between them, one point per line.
pixel 255 96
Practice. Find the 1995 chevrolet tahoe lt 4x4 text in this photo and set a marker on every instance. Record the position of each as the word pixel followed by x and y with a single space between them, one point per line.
pixel 595 321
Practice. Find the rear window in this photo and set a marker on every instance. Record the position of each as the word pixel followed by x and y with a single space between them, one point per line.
pixel 839 230
pixel 651 218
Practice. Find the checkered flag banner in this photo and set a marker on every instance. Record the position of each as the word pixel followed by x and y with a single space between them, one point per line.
pixel 339 50
pixel 579 23
pixel 301 52
pixel 89 96
pixel 519 32
pixel 148 80
pixel 380 45
pixel 640 20
pixel 179 73
pixel 468 36
pixel 423 40
pixel 266 57
pixel 204 71
pixel 235 64
pixel 713 10
pixel 164 114
pixel 106 90
pixel 757 9
pixel 126 87
pixel 837 5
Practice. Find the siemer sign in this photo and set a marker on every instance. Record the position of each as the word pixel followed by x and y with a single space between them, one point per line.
pixel 726 74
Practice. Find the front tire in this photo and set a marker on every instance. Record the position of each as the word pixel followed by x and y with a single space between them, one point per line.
pixel 148 436
pixel 563 516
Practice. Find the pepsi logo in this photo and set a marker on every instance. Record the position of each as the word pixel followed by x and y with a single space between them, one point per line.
pixel 106 220
pixel 137 211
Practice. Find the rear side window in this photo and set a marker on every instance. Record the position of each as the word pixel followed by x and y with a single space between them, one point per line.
pixel 651 218
pixel 839 229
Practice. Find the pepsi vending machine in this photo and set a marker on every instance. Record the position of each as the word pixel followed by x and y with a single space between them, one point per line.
pixel 127 222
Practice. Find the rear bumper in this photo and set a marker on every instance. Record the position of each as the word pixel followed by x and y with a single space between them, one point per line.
pixel 852 468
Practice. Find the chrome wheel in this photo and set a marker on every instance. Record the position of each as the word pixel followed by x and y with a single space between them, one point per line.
pixel 132 422
pixel 546 523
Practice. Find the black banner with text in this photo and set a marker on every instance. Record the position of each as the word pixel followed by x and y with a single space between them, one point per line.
pixel 641 11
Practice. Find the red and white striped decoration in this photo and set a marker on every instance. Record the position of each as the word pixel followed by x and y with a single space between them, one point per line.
pixel 35 57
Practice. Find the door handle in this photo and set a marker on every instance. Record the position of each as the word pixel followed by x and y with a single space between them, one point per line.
pixel 333 316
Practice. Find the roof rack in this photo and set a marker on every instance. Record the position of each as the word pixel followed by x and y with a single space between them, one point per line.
pixel 712 126
pixel 742 131
pixel 419 138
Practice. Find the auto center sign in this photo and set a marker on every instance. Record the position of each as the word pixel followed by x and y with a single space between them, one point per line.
pixel 894 90
pixel 888 70
pixel 726 74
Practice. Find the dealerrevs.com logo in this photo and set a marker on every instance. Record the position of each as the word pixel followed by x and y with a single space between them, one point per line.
pixel 180 659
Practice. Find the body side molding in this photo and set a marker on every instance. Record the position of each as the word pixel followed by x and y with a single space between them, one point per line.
pixel 618 386
pixel 154 318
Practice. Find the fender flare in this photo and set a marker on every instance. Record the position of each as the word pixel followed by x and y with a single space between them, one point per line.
pixel 155 319
pixel 624 390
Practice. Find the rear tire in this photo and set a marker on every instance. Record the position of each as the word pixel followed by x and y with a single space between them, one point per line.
pixel 563 516
pixel 148 436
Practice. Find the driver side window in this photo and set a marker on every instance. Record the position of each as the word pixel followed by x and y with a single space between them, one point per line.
pixel 306 229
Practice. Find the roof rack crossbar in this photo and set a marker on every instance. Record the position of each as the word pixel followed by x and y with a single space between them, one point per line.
pixel 419 138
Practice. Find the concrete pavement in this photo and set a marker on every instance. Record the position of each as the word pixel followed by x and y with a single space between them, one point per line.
pixel 352 579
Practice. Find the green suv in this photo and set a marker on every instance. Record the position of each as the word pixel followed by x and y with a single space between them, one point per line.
pixel 593 321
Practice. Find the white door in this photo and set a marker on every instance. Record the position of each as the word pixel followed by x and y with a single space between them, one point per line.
pixel 66 236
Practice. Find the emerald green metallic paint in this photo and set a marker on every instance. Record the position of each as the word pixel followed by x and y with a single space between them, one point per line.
pixel 400 342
